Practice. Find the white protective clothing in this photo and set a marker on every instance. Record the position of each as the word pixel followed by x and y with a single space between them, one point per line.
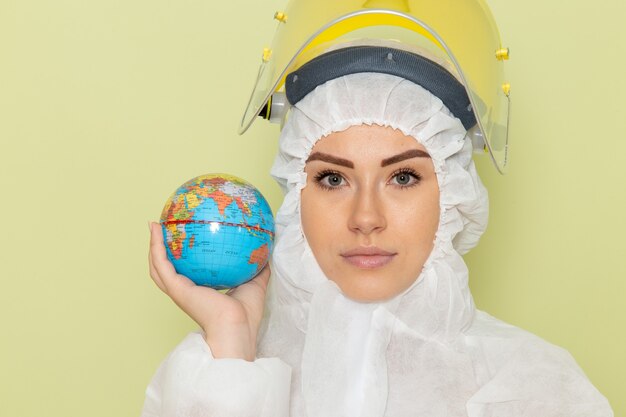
pixel 427 352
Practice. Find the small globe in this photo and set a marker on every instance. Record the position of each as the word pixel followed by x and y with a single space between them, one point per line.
pixel 218 230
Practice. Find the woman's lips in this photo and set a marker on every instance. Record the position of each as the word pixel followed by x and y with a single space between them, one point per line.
pixel 368 257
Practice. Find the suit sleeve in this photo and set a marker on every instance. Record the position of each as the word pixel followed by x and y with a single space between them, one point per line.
pixel 539 380
pixel 191 383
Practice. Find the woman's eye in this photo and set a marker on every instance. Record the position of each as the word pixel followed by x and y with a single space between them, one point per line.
pixel 403 179
pixel 333 180
pixel 329 180
pixel 406 179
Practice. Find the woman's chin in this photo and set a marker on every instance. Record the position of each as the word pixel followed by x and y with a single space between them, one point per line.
pixel 368 290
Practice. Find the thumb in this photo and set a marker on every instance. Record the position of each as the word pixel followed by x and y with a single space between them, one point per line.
pixel 263 278
pixel 252 293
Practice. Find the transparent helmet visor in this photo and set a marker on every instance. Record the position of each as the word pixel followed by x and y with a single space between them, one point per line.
pixel 460 35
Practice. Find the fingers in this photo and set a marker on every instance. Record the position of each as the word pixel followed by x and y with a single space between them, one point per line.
pixel 153 272
pixel 202 304
pixel 157 250
pixel 155 275
pixel 161 269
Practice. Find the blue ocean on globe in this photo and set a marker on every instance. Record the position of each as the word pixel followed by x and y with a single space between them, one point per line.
pixel 218 230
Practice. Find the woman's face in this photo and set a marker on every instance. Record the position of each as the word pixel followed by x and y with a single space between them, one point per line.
pixel 370 210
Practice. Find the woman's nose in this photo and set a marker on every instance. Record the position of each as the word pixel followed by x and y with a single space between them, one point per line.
pixel 367 214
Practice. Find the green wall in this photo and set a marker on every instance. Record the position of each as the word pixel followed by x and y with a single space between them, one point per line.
pixel 107 106
pixel 552 260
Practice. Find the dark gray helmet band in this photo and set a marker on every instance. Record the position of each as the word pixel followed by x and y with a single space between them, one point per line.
pixel 422 71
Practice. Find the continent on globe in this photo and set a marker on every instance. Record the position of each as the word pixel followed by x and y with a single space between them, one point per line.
pixel 218 230
pixel 259 257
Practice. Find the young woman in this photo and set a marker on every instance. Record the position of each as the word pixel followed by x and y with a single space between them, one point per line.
pixel 368 312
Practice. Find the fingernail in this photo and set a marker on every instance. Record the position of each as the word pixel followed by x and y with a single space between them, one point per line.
pixel 150 226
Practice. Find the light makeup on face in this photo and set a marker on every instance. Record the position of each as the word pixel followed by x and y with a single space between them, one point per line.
pixel 370 210
pixel 330 179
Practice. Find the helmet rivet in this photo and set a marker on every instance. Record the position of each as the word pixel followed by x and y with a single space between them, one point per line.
pixel 281 17
pixel 267 53
pixel 502 54
pixel 506 88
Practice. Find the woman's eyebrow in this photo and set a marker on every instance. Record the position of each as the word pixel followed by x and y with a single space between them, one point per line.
pixel 412 153
pixel 319 156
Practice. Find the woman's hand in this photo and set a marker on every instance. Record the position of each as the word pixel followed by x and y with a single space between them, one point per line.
pixel 230 321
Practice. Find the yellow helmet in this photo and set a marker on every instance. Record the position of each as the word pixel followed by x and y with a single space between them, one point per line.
pixel 451 47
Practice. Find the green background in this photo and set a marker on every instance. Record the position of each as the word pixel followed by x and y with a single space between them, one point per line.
pixel 107 106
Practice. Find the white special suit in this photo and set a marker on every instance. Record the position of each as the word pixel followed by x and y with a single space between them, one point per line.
pixel 427 352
